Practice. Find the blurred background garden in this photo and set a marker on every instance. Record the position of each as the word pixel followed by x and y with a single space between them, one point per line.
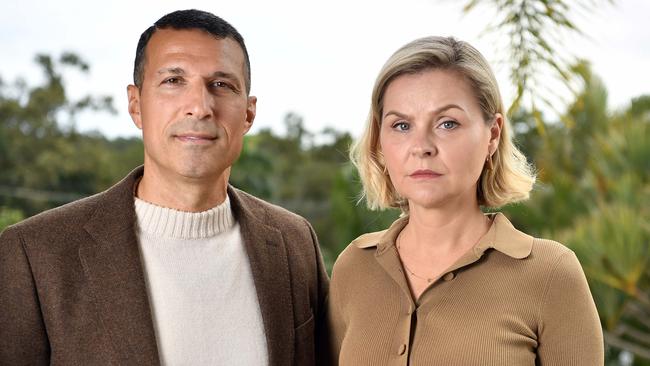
pixel 593 163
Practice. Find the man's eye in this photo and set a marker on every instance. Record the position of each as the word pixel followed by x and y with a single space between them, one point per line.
pixel 172 80
pixel 221 84
pixel 401 126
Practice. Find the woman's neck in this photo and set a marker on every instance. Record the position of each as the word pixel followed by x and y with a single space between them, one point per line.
pixel 444 231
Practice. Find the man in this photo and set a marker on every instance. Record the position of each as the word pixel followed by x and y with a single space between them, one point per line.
pixel 171 265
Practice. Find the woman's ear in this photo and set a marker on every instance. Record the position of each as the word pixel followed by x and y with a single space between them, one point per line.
pixel 495 133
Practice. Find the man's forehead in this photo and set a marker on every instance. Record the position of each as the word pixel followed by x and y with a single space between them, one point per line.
pixel 187 46
pixel 192 41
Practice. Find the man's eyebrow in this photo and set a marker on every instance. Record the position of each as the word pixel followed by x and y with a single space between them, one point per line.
pixel 224 74
pixel 437 111
pixel 180 71
pixel 227 75
pixel 172 70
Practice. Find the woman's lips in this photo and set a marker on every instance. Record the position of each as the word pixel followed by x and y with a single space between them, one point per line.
pixel 424 173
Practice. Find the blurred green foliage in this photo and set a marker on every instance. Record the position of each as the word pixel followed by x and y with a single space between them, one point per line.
pixel 9 216
pixel 594 196
pixel 593 192
pixel 44 161
pixel 536 31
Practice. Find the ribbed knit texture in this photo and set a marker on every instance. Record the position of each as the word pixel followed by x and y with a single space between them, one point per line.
pixel 502 304
pixel 201 289
pixel 169 223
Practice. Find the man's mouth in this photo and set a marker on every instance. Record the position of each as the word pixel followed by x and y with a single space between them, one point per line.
pixel 195 138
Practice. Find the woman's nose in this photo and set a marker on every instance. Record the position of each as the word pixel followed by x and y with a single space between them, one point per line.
pixel 423 144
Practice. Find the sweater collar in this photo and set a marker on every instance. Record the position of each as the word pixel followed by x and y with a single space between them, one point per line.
pixel 167 222
pixel 501 236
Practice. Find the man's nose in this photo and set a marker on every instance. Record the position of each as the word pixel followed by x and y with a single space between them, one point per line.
pixel 199 102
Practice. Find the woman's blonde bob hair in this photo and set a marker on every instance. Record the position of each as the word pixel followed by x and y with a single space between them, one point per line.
pixel 509 179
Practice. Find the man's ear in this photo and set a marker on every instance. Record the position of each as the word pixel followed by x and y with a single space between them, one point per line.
pixel 133 93
pixel 251 109
pixel 495 133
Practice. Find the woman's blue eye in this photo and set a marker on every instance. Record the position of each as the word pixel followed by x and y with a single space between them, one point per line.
pixel 402 126
pixel 448 125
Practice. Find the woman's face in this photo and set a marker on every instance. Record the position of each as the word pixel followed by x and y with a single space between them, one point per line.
pixel 434 138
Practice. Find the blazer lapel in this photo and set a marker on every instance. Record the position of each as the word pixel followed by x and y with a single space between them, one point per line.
pixel 270 267
pixel 114 270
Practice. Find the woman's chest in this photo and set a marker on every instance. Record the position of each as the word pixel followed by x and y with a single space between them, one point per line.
pixel 462 319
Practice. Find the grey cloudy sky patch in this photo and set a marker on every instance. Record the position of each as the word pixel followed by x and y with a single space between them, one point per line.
pixel 318 59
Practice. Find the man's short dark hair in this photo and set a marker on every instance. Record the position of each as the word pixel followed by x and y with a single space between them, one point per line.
pixel 190 19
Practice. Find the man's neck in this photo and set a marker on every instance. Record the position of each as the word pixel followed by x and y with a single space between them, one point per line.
pixel 190 195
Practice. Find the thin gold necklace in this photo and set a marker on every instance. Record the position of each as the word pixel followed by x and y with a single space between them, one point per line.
pixel 429 280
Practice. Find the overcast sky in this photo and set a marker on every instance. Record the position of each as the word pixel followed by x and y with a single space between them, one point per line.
pixel 317 59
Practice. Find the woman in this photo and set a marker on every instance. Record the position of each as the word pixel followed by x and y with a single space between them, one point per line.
pixel 447 284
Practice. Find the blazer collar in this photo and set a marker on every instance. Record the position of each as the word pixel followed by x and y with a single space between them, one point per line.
pixel 267 254
pixel 111 262
pixel 501 236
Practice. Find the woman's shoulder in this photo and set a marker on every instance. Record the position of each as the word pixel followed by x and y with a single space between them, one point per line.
pixel 556 258
pixel 363 246
pixel 517 243
pixel 549 251
pixel 542 256
pixel 550 263
pixel 550 246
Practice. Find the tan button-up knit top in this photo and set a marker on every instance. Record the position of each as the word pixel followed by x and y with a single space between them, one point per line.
pixel 511 300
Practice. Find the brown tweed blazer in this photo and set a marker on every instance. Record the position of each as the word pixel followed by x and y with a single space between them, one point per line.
pixel 72 289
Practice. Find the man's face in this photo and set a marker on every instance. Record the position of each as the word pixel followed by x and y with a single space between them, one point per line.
pixel 192 107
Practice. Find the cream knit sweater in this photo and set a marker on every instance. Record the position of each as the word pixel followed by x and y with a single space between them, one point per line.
pixel 203 300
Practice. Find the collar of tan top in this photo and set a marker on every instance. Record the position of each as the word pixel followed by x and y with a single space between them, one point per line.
pixel 502 236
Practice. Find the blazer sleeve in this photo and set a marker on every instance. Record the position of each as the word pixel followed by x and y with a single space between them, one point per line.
pixel 23 339
pixel 569 327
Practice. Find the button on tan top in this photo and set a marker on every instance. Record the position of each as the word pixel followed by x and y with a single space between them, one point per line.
pixel 448 276
pixel 401 349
